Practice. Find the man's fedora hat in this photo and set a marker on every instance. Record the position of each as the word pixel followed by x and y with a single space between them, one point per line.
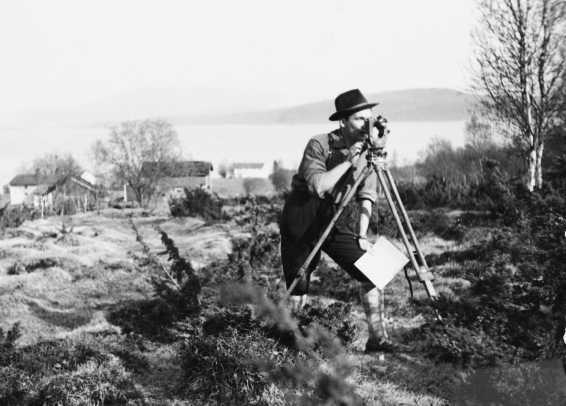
pixel 348 103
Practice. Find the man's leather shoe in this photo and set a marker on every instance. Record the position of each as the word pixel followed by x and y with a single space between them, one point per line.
pixel 380 344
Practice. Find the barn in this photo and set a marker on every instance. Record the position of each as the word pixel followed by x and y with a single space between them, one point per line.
pixel 172 178
pixel 46 192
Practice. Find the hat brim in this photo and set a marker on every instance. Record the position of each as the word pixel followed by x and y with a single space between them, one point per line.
pixel 346 112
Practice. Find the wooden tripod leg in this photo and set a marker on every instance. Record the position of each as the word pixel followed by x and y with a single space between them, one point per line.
pixel 422 259
pixel 423 271
pixel 431 292
pixel 382 312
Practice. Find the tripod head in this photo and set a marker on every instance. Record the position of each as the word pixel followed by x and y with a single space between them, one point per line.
pixel 376 133
pixel 378 125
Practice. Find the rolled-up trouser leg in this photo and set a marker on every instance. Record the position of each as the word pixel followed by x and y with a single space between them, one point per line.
pixel 345 251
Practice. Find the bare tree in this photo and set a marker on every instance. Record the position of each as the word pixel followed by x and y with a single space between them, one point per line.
pixel 520 71
pixel 130 144
pixel 478 133
pixel 56 165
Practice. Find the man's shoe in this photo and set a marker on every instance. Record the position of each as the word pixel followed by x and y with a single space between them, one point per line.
pixel 380 344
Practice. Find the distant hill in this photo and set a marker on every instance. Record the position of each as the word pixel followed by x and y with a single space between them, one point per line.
pixel 401 105
pixel 192 106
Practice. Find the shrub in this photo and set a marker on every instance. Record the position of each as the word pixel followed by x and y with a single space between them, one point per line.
pixel 226 368
pixel 412 195
pixel 61 373
pixel 94 382
pixel 462 346
pixel 8 342
pixel 65 205
pixel 304 374
pixel 256 186
pixel 255 255
pixel 15 386
pixel 181 288
pixel 281 179
pixel 334 318
pixel 423 221
pixel 197 203
pixel 255 258
pixel 514 273
pixel 253 210
pixel 176 288
pixel 13 217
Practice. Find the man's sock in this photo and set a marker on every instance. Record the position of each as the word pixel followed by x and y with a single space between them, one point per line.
pixel 297 302
pixel 371 301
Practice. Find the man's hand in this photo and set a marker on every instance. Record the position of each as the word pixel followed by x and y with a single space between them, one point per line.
pixel 364 244
pixel 354 152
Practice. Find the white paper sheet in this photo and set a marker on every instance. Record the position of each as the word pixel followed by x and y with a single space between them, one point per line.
pixel 382 262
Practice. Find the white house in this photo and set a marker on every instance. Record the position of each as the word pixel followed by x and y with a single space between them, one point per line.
pixel 41 192
pixel 24 187
pixel 250 170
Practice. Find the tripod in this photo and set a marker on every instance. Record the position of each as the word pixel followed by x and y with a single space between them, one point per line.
pixel 376 161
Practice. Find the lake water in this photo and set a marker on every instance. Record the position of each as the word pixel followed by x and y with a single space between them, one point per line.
pixel 216 143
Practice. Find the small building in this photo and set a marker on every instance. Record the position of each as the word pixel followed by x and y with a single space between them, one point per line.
pixel 173 177
pixel 42 192
pixel 76 189
pixel 24 187
pixel 250 170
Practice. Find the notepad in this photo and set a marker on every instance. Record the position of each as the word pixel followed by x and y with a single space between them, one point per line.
pixel 382 262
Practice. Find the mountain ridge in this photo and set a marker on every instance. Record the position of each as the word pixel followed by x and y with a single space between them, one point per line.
pixel 432 104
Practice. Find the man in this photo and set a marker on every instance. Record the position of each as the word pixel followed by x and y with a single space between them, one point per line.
pixel 330 164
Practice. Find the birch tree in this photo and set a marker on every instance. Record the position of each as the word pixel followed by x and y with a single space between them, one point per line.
pixel 520 72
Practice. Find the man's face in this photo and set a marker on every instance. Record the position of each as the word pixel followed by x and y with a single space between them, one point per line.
pixel 354 123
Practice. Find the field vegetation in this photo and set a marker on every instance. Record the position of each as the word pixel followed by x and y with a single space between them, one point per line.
pixel 126 307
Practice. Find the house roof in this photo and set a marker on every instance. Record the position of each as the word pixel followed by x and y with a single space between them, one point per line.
pixel 247 165
pixel 42 190
pixel 81 182
pixel 33 180
pixel 176 169
pixel 46 184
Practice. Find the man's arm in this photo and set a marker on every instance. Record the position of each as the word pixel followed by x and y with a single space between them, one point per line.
pixel 320 181
pixel 366 206
pixel 325 181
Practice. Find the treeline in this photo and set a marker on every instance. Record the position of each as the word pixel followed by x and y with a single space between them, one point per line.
pixel 471 177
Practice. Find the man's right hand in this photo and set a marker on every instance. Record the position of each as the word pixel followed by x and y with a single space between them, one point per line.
pixel 354 152
pixel 364 244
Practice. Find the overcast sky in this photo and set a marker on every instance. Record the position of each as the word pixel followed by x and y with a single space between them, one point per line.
pixel 63 54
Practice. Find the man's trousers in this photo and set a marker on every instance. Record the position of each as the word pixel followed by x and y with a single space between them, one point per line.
pixel 303 220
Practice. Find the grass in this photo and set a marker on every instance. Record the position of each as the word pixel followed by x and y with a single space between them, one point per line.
pixel 92 333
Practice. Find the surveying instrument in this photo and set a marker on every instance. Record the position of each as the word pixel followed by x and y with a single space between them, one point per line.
pixel 376 157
